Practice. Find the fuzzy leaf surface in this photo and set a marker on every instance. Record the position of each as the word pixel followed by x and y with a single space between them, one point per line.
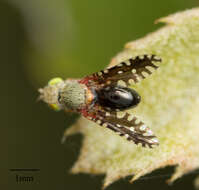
pixel 170 106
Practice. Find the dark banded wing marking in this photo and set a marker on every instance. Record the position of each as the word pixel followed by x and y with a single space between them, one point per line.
pixel 128 71
pixel 126 125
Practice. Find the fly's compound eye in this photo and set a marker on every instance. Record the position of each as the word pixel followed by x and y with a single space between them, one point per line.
pixel 55 81
pixel 55 107
pixel 52 84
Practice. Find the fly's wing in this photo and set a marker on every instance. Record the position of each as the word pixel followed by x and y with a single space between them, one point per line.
pixel 127 71
pixel 124 125
pixel 127 125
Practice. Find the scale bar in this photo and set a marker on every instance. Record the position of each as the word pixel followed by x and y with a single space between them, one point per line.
pixel 24 169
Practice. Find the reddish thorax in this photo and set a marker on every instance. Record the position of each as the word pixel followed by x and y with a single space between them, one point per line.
pixel 87 79
pixel 86 114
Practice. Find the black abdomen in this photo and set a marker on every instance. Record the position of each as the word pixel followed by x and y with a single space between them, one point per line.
pixel 118 97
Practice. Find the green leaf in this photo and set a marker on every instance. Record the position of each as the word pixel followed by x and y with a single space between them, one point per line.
pixel 170 106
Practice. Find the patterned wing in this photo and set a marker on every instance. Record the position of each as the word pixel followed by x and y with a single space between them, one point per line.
pixel 125 125
pixel 130 70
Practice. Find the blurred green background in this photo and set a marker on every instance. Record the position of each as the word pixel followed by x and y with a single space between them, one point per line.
pixel 41 39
